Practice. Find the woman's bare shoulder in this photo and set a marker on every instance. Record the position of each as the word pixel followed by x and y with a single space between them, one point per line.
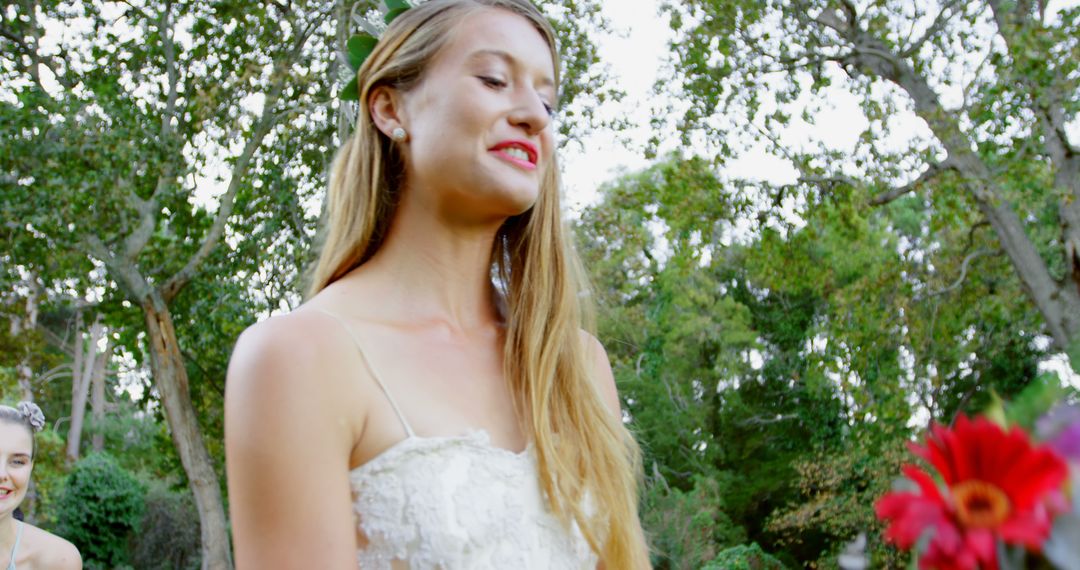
pixel 50 551
pixel 300 355
pixel 602 373
pixel 304 334
pixel 305 344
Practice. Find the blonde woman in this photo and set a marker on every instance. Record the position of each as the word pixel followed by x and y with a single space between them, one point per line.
pixel 23 545
pixel 435 403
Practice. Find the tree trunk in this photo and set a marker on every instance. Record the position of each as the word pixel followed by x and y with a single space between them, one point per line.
pixel 171 381
pixel 97 395
pixel 1057 301
pixel 24 372
pixel 86 363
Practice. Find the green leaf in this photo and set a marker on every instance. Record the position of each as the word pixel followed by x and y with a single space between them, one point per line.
pixel 393 14
pixel 351 92
pixel 1035 400
pixel 995 412
pixel 359 48
pixel 395 5
pixel 1073 351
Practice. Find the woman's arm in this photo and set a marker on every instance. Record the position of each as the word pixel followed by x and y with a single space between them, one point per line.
pixel 605 379
pixel 287 445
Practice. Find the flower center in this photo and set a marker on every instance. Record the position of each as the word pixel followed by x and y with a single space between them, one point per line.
pixel 980 504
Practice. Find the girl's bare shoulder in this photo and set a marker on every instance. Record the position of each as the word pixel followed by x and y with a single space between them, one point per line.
pixel 44 549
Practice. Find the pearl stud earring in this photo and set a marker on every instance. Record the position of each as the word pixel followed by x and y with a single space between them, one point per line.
pixel 399 134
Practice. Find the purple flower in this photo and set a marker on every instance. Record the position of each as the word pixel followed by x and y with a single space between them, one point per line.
pixel 1060 429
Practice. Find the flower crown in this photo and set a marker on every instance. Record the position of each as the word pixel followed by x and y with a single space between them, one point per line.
pixel 360 46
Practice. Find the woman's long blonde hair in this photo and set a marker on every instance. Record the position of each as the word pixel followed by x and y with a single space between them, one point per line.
pixel 589 464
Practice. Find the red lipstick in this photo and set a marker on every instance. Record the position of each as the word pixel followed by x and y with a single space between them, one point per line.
pixel 525 146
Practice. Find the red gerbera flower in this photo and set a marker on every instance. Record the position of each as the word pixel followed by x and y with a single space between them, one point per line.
pixel 996 486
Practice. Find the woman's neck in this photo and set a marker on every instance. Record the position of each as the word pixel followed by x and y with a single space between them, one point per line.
pixel 430 271
pixel 7 536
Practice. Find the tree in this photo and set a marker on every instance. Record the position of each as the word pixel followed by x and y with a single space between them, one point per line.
pixel 771 370
pixel 114 135
pixel 994 83
pixel 181 145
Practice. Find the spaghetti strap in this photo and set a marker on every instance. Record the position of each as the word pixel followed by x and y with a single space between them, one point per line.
pixel 15 548
pixel 371 369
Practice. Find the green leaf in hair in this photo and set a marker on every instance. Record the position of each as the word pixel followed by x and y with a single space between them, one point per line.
pixel 359 48
pixel 392 14
pixel 351 91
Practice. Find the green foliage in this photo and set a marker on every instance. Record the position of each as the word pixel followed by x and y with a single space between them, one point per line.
pixel 744 557
pixel 49 475
pixel 168 536
pixel 1034 401
pixel 138 441
pixel 686 529
pixel 835 501
pixel 852 329
pixel 99 509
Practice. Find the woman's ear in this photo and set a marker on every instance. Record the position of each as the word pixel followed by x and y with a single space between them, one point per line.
pixel 385 106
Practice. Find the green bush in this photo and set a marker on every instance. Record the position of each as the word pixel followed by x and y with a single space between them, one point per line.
pixel 100 507
pixel 48 478
pixel 168 537
pixel 744 557
pixel 686 529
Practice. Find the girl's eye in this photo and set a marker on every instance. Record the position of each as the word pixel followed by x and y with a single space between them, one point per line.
pixel 550 109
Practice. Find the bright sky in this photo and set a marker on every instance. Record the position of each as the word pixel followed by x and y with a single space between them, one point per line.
pixel 636 51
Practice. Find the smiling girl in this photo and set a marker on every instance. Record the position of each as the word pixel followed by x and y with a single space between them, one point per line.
pixel 24 546
pixel 435 403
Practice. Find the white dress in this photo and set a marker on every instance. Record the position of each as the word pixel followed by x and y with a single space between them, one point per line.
pixel 458 503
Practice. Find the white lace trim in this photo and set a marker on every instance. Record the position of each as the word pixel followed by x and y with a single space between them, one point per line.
pixel 459 503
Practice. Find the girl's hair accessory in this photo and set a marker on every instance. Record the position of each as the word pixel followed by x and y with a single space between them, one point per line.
pixel 360 46
pixel 33 415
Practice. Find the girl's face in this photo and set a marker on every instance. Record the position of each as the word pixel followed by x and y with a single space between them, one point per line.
pixel 16 446
pixel 479 123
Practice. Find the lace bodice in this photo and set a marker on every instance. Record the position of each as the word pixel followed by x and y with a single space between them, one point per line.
pixel 457 503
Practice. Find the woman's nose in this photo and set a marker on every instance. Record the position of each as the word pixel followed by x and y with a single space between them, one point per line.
pixel 530 112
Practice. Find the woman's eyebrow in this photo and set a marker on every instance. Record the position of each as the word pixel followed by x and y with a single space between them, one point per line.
pixel 545 81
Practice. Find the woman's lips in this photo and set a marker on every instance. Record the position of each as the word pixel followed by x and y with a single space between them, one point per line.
pixel 520 153
pixel 515 160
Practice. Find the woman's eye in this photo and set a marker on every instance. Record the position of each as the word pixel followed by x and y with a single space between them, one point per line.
pixel 493 81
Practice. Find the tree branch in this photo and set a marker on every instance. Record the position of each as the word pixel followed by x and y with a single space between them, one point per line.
pixel 126 272
pixel 926 177
pixel 1058 304
pixel 944 15
pixel 761 421
pixel 1047 101
pixel 36 57
pixel 137 240
pixel 964 266
pixel 240 168
pixel 170 69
